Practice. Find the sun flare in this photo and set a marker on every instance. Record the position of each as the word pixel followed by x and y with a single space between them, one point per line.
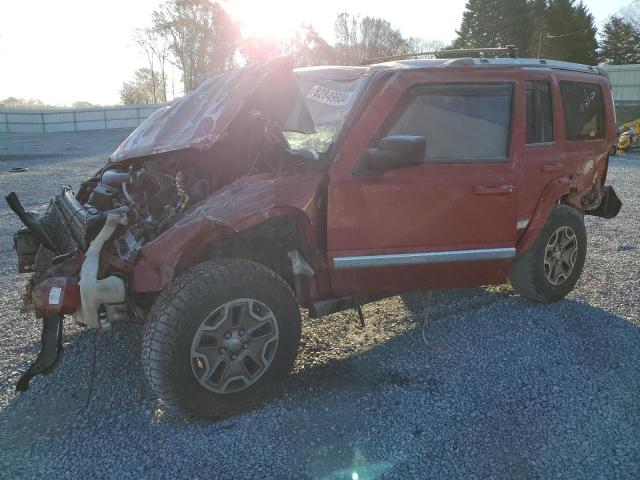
pixel 265 19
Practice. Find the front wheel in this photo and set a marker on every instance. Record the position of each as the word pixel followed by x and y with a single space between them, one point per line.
pixel 221 338
pixel 550 268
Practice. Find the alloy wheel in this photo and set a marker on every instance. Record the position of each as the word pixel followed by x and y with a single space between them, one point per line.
pixel 234 346
pixel 560 256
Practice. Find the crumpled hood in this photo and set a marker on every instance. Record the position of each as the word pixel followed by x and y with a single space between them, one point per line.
pixel 202 117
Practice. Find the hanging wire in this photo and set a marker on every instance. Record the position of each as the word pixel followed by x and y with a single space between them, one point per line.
pixel 93 370
pixel 427 311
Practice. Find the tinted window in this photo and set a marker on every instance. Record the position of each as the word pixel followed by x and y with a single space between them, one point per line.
pixel 459 122
pixel 583 110
pixel 539 113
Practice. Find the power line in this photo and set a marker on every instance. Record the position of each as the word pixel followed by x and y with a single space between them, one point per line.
pixel 556 36
pixel 617 12
pixel 566 34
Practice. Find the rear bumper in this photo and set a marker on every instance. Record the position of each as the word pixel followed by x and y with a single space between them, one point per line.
pixel 610 204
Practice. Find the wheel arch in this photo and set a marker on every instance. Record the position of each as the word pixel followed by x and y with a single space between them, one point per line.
pixel 284 244
pixel 556 191
pixel 282 239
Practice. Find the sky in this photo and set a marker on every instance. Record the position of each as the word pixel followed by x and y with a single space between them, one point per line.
pixel 81 50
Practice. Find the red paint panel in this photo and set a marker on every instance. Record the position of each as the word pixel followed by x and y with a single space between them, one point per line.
pixel 394 280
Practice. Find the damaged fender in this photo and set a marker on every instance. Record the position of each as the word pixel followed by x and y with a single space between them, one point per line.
pixel 608 207
pixel 233 209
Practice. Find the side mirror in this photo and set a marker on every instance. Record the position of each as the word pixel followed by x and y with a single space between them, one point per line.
pixel 395 151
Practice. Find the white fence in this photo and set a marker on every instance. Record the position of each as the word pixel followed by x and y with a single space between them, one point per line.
pixel 625 81
pixel 68 120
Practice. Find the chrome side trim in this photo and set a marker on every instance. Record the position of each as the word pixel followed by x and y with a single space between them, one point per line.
pixel 401 259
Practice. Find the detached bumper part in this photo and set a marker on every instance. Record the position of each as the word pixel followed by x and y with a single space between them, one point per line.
pixel 26 245
pixel 49 355
pixel 30 220
pixel 56 296
pixel 609 206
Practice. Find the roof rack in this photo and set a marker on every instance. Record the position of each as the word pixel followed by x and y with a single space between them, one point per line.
pixel 512 50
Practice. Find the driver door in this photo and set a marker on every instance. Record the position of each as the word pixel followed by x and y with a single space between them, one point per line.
pixel 449 222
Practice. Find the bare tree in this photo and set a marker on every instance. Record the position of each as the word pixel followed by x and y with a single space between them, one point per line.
pixel 418 45
pixel 201 36
pixel 159 45
pixel 309 48
pixel 141 88
pixel 369 37
pixel 380 39
pixel 144 39
pixel 348 42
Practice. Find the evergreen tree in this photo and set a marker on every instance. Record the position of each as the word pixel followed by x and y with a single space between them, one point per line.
pixel 479 26
pixel 585 47
pixel 557 29
pixel 495 23
pixel 570 32
pixel 516 24
pixel 620 40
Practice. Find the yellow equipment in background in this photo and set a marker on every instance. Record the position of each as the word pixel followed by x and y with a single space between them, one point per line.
pixel 630 136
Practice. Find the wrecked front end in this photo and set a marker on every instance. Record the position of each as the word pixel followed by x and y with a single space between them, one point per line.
pixel 103 254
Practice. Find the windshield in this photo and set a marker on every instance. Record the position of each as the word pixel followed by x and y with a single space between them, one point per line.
pixel 329 95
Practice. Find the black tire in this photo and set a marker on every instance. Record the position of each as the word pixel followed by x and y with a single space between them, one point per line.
pixel 528 276
pixel 179 311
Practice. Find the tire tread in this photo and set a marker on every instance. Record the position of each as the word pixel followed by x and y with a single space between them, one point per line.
pixel 169 314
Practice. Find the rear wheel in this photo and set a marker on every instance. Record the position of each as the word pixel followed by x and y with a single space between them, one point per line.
pixel 221 338
pixel 550 268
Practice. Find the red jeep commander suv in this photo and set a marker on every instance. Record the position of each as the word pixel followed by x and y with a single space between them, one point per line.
pixel 269 188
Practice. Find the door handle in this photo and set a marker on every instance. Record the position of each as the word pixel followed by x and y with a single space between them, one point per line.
pixel 551 167
pixel 492 190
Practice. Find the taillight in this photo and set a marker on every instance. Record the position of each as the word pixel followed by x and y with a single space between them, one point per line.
pixel 57 295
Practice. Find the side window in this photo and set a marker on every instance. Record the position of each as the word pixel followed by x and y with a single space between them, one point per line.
pixel 461 122
pixel 583 110
pixel 539 112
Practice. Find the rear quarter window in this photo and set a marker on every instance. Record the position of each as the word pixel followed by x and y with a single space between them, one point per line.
pixel 583 110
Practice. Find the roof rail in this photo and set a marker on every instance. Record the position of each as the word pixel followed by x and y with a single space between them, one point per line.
pixel 512 50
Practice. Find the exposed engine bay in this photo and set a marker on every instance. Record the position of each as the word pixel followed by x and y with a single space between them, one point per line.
pixel 146 196
pixel 149 194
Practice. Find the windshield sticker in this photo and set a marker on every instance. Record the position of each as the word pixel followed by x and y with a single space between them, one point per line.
pixel 330 97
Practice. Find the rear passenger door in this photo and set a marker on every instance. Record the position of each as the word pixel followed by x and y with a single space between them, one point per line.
pixel 542 159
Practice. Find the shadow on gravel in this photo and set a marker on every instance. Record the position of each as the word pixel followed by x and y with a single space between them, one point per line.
pixel 483 382
pixel 480 383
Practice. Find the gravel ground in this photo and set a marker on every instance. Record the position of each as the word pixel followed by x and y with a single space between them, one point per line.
pixel 474 383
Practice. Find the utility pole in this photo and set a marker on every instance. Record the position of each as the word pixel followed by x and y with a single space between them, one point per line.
pixel 539 44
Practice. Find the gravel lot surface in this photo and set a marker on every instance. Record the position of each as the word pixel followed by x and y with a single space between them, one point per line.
pixel 474 383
